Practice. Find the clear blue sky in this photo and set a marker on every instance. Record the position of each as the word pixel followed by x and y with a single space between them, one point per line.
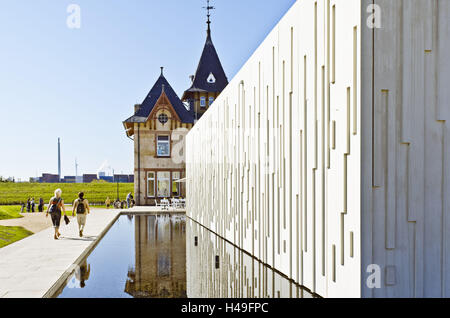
pixel 80 84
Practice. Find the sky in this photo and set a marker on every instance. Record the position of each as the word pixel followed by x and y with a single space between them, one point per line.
pixel 79 84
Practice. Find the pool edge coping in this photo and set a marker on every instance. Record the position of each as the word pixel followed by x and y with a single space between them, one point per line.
pixel 68 272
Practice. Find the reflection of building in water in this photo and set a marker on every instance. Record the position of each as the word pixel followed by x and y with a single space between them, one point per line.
pixel 82 273
pixel 160 258
pixel 238 275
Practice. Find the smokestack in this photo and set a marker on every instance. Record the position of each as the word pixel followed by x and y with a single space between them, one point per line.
pixel 59 160
pixel 76 170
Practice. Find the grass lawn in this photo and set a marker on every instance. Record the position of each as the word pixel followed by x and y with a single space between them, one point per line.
pixel 16 193
pixel 11 234
pixel 10 212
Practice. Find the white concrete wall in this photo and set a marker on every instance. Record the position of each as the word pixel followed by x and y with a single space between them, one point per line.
pixel 274 165
pixel 406 174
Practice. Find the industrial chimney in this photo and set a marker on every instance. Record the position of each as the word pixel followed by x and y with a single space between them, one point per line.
pixel 59 160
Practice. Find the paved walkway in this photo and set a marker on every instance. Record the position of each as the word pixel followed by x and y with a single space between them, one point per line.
pixel 30 267
pixel 34 222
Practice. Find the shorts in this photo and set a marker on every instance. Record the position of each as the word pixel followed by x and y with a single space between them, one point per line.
pixel 81 218
pixel 56 218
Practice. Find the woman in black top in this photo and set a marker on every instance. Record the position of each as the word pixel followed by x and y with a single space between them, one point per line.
pixel 54 208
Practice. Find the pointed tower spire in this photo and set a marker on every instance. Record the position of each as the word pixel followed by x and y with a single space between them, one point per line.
pixel 209 79
pixel 208 10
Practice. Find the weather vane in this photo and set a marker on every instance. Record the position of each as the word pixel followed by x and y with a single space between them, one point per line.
pixel 208 9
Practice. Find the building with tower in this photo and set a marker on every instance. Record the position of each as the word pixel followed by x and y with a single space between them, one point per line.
pixel 209 79
pixel 159 125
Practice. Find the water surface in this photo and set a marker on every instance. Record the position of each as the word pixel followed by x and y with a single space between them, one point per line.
pixel 148 256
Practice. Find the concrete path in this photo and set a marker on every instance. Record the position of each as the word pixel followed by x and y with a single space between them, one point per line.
pixel 34 222
pixel 30 267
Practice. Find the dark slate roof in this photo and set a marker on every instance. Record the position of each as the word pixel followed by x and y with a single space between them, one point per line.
pixel 136 119
pixel 209 63
pixel 155 93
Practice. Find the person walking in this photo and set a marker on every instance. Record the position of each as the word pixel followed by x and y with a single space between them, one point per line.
pixel 81 206
pixel 32 205
pixel 129 198
pixel 28 205
pixel 55 206
pixel 41 205
pixel 107 202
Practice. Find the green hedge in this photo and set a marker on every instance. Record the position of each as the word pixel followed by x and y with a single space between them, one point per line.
pixel 17 193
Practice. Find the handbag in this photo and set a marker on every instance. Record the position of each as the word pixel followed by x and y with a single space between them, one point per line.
pixel 66 219
pixel 54 207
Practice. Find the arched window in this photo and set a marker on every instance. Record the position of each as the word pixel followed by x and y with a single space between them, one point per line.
pixel 211 101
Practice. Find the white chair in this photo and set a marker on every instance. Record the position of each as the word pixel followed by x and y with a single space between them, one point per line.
pixel 176 203
pixel 165 204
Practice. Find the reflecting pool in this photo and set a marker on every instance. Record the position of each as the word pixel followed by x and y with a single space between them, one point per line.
pixel 148 256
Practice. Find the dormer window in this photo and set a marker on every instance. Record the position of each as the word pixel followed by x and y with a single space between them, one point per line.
pixel 211 79
pixel 211 101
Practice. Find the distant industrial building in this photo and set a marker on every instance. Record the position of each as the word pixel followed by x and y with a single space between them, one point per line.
pixel 121 178
pixel 107 178
pixel 88 178
pixel 49 178
pixel 69 179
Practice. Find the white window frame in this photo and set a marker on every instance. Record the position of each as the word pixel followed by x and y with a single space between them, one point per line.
pixel 203 102
pixel 165 142
pixel 154 184
pixel 178 184
pixel 165 180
